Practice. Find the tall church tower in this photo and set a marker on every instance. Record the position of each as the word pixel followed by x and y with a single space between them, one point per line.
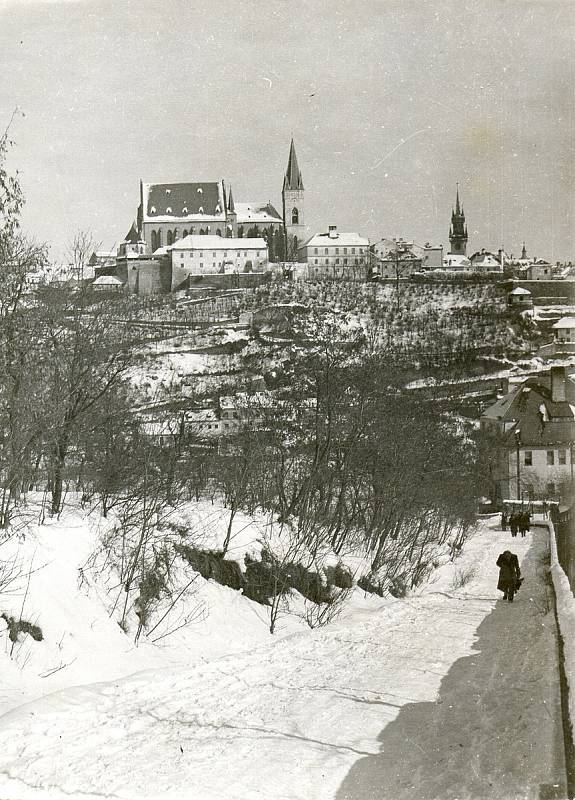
pixel 293 207
pixel 458 229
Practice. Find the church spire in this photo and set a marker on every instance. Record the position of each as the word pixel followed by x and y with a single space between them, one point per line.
pixel 231 206
pixel 524 253
pixel 458 229
pixel 293 179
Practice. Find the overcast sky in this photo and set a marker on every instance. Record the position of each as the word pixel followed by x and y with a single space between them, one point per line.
pixel 389 103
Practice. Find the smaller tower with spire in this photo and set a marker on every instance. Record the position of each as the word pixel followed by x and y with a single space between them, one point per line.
pixel 458 229
pixel 293 206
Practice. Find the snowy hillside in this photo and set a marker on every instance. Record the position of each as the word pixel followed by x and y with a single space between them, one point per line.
pixel 225 710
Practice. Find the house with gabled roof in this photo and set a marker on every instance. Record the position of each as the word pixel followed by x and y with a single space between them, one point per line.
pixel 532 430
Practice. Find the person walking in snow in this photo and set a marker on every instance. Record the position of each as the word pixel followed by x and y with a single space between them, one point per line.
pixel 513 524
pixel 503 520
pixel 509 574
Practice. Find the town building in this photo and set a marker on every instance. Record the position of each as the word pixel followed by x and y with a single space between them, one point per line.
pixel 539 270
pixel 211 255
pixel 432 257
pixel 485 261
pixel 458 229
pixel 395 259
pixel 520 299
pixel 531 430
pixel 337 256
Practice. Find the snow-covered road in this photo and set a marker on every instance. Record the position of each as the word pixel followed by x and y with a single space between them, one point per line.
pixel 288 720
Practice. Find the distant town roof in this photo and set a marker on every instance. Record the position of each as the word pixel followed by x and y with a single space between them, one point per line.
pixel 349 239
pixel 107 280
pixel 565 322
pixel 256 212
pixel 519 290
pixel 194 242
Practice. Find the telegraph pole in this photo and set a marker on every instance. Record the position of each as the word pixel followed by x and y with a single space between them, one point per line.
pixel 517 445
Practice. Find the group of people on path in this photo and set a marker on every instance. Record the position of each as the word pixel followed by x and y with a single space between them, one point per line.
pixel 518 522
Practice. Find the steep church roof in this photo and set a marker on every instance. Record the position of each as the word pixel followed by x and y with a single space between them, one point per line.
pixel 185 201
pixel 293 179
pixel 133 237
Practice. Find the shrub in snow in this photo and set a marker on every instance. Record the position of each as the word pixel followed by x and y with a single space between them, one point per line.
pixel 339 576
pixel 212 566
pixel 17 626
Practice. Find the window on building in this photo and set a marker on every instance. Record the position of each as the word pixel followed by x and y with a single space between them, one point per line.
pixel 169 238
pixel 550 458
pixel 345 261
pixel 185 233
pixel 326 251
pixel 201 264
pixel 315 252
pixel 345 251
pixel 201 254
pixel 295 216
pixel 353 250
pixel 528 459
pixel 337 261
pixel 337 251
pixel 181 255
pixel 562 456
pixel 213 255
pixel 315 261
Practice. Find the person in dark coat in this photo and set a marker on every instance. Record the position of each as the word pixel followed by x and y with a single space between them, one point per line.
pixel 509 574
pixel 513 524
pixel 503 520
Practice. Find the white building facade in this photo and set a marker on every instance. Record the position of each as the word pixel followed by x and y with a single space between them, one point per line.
pixel 334 255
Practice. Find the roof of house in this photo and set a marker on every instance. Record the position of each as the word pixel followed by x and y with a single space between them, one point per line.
pixel 529 409
pixel 456 260
pixel 339 239
pixel 107 280
pixel 256 213
pixel 194 242
pixel 190 202
pixel 520 290
pixel 565 322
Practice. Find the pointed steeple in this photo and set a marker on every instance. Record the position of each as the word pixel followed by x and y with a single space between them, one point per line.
pixel 293 179
pixel 231 206
pixel 457 206
pixel 458 228
pixel 524 252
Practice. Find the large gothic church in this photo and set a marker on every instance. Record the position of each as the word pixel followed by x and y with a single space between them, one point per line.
pixel 171 211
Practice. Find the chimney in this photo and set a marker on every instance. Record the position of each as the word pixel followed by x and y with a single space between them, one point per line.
pixel 333 231
pixel 558 384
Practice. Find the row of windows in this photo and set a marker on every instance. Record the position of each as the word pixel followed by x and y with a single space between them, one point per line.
pixel 360 250
pixel 214 255
pixel 551 460
pixel 343 261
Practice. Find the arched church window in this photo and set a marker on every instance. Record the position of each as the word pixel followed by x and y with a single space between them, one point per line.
pixel 169 238
pixel 185 233
pixel 155 244
pixel 219 232
pixel 175 234
pixel 294 216
pixel 241 232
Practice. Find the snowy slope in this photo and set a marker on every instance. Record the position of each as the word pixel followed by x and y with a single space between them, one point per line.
pixel 279 718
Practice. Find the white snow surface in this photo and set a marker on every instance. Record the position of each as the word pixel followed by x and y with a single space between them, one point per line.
pixel 228 711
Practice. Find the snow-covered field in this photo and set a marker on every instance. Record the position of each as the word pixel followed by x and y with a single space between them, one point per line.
pixel 243 716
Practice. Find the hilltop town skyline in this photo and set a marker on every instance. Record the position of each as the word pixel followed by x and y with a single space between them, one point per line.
pixel 390 106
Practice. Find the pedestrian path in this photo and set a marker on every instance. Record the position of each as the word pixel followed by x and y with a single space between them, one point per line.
pixel 495 730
